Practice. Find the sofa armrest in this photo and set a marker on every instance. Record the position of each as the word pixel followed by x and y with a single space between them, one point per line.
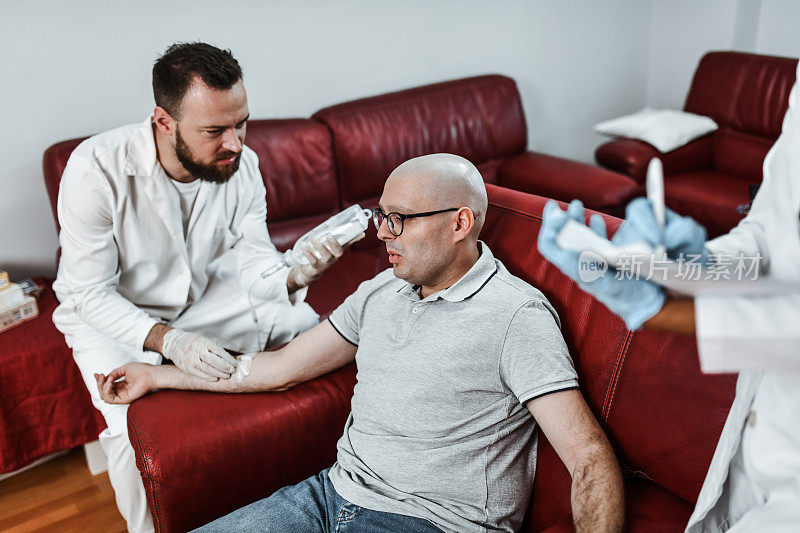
pixel 562 179
pixel 630 157
pixel 202 455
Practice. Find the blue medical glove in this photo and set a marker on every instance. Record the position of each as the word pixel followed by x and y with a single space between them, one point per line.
pixel 553 219
pixel 680 235
pixel 633 300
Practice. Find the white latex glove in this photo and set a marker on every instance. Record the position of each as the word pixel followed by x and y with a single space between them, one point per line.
pixel 197 355
pixel 321 255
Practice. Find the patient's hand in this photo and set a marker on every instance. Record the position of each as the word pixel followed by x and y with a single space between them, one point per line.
pixel 138 381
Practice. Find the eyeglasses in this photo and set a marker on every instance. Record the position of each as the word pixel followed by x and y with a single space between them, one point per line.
pixel 396 221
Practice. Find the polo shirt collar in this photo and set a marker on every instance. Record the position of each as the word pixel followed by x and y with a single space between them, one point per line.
pixel 141 159
pixel 469 284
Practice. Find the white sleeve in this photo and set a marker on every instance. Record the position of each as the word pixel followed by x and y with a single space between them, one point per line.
pixel 89 256
pixel 255 251
pixel 760 332
pixel 737 333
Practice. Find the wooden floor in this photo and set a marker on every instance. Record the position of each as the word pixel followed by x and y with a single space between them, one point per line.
pixel 60 495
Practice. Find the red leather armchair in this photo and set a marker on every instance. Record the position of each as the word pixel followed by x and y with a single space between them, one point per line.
pixel 747 95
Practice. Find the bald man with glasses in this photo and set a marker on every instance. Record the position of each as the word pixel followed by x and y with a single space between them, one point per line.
pixel 459 363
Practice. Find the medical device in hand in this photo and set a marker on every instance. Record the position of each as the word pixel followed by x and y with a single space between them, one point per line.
pixel 652 264
pixel 344 227
pixel 654 182
pixel 578 237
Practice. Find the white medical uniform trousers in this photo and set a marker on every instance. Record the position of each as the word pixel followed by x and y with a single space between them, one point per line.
pixel 122 471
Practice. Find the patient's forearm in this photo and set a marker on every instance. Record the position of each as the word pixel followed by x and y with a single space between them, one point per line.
pixel 597 492
pixel 316 352
pixel 265 375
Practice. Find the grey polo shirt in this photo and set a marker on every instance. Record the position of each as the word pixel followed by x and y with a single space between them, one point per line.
pixel 438 427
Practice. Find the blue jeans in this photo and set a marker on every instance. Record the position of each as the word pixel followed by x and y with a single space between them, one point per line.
pixel 313 505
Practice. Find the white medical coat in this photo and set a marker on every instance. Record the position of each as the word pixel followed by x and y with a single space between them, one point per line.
pixel 754 478
pixel 126 264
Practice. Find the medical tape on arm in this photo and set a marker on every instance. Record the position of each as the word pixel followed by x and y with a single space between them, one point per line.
pixel 243 368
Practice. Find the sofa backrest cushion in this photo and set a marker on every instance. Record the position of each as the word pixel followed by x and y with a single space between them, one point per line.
pixel 745 92
pixel 479 118
pixel 295 157
pixel 296 162
pixel 662 415
pixel 747 95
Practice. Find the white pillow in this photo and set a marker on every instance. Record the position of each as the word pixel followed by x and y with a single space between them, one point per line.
pixel 666 129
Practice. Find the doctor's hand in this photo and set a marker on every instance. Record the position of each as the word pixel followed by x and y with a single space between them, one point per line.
pixel 135 380
pixel 197 355
pixel 553 219
pixel 680 235
pixel 321 255
pixel 633 300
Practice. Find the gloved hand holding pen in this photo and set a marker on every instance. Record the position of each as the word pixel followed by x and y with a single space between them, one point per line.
pixel 680 235
pixel 632 299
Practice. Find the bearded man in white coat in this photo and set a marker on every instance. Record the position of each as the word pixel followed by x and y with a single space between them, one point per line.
pixel 163 239
pixel 753 482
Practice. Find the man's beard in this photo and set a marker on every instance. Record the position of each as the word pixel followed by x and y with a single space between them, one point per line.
pixel 202 171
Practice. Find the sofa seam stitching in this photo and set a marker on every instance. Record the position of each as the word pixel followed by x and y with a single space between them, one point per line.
pixel 643 474
pixel 609 400
pixel 612 384
pixel 518 211
pixel 157 515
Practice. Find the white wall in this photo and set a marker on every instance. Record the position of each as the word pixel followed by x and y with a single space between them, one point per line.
pixel 76 67
pixel 779 28
pixel 682 31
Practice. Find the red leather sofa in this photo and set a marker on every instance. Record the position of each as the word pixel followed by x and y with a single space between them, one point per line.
pixel 662 415
pixel 747 95
pixel 202 455
pixel 311 169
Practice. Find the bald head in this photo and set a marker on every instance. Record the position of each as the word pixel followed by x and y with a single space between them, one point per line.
pixel 446 180
pixel 444 200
